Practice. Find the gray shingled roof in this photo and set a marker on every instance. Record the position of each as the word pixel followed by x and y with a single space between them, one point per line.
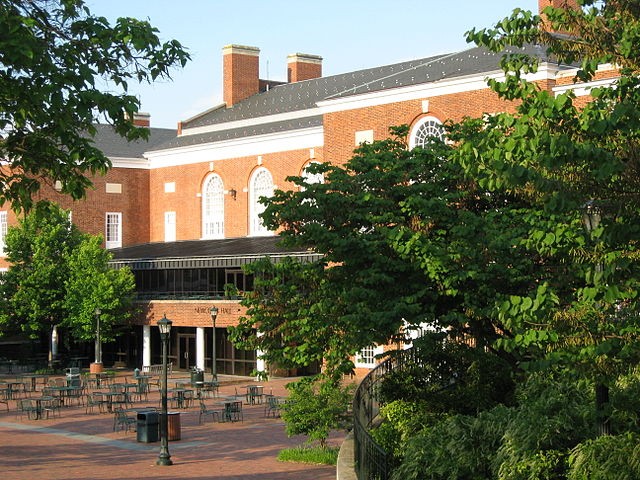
pixel 115 146
pixel 227 252
pixel 305 95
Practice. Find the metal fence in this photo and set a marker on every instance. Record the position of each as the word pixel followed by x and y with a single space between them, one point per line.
pixel 371 460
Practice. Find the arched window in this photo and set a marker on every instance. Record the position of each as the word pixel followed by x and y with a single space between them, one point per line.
pixel 213 207
pixel 425 128
pixel 312 177
pixel 261 186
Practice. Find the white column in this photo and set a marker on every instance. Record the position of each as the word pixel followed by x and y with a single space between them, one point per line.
pixel 200 348
pixel 146 345
pixel 261 365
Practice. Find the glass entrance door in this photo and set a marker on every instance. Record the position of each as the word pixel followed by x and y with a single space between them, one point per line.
pixel 186 351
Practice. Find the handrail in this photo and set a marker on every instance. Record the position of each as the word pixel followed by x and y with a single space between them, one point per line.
pixel 371 460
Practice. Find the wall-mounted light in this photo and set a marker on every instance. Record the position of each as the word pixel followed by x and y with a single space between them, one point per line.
pixel 233 193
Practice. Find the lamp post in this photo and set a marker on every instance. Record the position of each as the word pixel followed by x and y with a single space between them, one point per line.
pixel 591 217
pixel 214 315
pixel 98 346
pixel 164 324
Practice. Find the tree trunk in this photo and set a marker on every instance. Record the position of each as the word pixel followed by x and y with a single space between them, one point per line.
pixel 602 409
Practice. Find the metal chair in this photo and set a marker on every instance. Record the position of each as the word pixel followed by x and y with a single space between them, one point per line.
pixel 272 406
pixel 204 411
pixel 233 411
pixel 122 421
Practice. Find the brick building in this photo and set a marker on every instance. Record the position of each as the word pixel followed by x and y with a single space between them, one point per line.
pixel 182 209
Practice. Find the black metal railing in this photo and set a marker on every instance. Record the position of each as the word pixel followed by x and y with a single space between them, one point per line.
pixel 372 462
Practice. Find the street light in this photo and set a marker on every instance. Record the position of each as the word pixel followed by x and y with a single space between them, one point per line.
pixel 98 346
pixel 164 324
pixel 214 315
pixel 591 217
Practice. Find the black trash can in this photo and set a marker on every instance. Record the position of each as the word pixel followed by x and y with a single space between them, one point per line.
pixel 197 377
pixel 147 427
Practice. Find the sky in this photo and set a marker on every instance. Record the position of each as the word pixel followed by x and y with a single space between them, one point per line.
pixel 349 35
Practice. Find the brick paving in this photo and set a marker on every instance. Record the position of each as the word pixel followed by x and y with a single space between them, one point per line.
pixel 77 445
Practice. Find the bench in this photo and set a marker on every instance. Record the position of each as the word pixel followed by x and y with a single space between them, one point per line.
pixel 156 369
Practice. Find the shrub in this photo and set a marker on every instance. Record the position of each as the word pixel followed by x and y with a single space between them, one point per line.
pixel 606 458
pixel 451 377
pixel 315 407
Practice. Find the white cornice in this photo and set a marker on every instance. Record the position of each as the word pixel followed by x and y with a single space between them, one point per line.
pixel 125 162
pixel 425 90
pixel 250 122
pixel 241 147
pixel 582 89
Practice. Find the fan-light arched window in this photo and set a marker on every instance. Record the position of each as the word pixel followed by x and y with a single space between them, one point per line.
pixel 424 129
pixel 213 207
pixel 312 177
pixel 261 185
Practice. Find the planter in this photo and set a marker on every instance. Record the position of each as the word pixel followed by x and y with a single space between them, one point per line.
pixel 96 368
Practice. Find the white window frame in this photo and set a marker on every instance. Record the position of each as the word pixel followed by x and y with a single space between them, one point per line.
pixel 169 226
pixel 213 207
pixel 4 227
pixel 366 358
pixel 309 177
pixel 113 230
pixel 428 126
pixel 261 185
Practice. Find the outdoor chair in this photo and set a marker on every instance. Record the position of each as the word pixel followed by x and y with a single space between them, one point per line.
pixel 52 407
pixel 272 407
pixel 27 406
pixel 4 397
pixel 233 412
pixel 204 411
pixel 122 421
pixel 95 400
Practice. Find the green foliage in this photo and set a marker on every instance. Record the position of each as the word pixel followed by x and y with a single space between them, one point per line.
pixel 606 458
pixel 60 276
pixel 401 420
pixel 315 407
pixel 61 70
pixel 111 291
pixel 458 447
pixel 313 455
pixel 451 377
pixel 32 290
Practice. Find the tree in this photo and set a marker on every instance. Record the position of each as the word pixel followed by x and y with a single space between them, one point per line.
pixel 93 290
pixel 562 158
pixel 61 70
pixel 33 293
pixel 407 239
pixel 59 277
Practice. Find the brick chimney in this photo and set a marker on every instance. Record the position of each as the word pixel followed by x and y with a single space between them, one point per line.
pixel 301 66
pixel 566 4
pixel 241 69
pixel 142 119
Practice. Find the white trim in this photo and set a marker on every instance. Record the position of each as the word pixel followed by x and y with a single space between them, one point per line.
pixel 421 91
pixel 251 122
pixel 116 241
pixel 582 89
pixel 124 162
pixel 302 139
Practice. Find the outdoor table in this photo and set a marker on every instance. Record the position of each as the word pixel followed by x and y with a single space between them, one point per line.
pixel 117 397
pixel 254 394
pixel 42 402
pixel 62 391
pixel 15 387
pixel 180 398
pixel 33 377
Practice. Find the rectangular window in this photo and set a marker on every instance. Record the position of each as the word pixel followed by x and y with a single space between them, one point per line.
pixel 169 226
pixel 113 230
pixel 4 225
pixel 366 358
